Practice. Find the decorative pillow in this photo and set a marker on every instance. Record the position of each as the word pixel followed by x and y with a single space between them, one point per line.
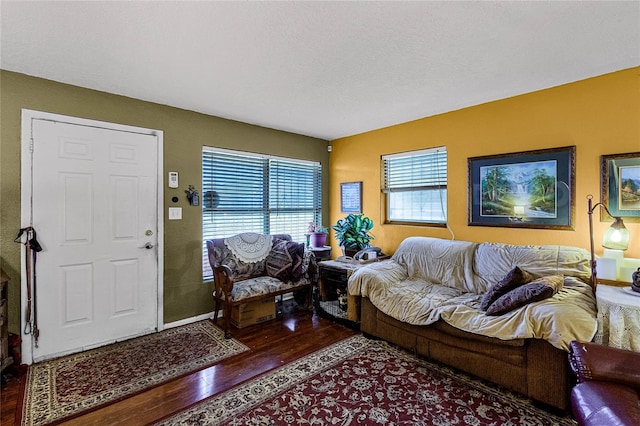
pixel 515 278
pixel 539 289
pixel 284 262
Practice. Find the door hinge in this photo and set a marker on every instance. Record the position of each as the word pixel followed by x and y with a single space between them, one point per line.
pixel 31 146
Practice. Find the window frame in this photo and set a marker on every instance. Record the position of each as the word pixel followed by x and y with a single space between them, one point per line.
pixel 440 184
pixel 266 168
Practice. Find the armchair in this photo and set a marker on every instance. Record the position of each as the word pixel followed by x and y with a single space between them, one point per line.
pixel 608 384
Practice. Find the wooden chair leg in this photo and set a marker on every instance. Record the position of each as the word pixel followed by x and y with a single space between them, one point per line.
pixel 216 297
pixel 227 319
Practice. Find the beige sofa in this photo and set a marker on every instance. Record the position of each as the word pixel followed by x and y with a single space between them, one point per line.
pixel 427 298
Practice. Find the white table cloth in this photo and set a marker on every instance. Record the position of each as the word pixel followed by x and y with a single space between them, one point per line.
pixel 618 317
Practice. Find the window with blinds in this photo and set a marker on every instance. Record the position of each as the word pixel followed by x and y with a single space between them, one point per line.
pixel 414 186
pixel 246 192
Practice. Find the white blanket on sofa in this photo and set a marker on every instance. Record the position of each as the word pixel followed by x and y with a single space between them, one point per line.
pixel 416 299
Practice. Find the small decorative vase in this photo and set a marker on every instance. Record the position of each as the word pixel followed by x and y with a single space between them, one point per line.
pixel 318 239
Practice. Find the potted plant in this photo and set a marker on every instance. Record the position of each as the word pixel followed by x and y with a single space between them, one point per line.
pixel 352 232
pixel 317 235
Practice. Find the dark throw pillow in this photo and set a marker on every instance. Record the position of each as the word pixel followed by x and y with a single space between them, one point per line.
pixel 284 262
pixel 515 278
pixel 539 289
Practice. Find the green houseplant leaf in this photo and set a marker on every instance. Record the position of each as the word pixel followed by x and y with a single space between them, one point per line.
pixel 352 232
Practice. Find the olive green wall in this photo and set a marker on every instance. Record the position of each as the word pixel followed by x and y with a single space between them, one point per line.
pixel 185 132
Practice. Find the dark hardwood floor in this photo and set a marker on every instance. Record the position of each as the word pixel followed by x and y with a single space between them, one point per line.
pixel 298 332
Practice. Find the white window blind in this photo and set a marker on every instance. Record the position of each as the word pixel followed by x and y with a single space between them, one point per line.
pixel 244 192
pixel 415 186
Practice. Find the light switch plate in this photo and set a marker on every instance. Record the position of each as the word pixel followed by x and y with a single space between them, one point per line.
pixel 175 213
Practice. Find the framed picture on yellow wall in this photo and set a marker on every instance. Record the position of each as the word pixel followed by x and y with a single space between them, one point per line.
pixel 351 197
pixel 529 189
pixel 620 186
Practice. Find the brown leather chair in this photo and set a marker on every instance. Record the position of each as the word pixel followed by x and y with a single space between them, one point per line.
pixel 608 385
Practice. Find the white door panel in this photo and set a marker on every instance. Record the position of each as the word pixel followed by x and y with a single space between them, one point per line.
pixel 95 207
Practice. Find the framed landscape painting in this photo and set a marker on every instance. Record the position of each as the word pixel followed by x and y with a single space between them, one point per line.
pixel 529 189
pixel 620 174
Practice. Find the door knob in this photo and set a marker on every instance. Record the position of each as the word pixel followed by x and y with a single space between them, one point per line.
pixel 147 246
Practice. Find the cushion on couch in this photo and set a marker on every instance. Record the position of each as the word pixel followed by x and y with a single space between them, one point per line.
pixel 534 291
pixel 240 253
pixel 285 261
pixel 438 261
pixel 515 278
pixel 494 260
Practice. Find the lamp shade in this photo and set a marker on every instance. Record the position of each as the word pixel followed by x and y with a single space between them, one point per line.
pixel 616 237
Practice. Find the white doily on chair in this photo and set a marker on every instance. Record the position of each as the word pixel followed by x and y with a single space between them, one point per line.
pixel 249 247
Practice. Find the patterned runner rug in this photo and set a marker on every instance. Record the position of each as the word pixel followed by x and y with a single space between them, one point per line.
pixel 364 382
pixel 68 386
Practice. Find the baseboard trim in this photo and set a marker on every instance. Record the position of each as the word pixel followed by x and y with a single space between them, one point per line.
pixel 189 320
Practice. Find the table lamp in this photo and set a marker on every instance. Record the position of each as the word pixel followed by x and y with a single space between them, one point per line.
pixel 616 237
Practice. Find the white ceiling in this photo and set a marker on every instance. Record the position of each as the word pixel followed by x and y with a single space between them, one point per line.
pixel 323 69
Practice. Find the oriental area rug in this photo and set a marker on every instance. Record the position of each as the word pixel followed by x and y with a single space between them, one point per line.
pixel 68 386
pixel 364 382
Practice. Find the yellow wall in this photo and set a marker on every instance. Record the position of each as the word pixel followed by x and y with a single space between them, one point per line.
pixel 599 116
pixel 185 132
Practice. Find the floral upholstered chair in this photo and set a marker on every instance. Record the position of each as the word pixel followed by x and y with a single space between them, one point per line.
pixel 249 267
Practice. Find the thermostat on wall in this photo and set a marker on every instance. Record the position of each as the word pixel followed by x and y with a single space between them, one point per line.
pixel 173 179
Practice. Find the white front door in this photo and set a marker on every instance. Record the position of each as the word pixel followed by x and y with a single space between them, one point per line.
pixel 94 201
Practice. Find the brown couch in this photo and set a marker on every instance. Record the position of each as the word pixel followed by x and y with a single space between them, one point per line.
pixel 532 367
pixel 608 385
pixel 429 298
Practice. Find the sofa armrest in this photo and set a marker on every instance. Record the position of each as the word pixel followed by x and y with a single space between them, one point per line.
pixel 597 403
pixel 592 361
pixel 376 276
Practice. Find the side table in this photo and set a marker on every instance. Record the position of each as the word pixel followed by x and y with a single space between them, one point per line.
pixel 618 317
pixel 322 253
pixel 330 298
